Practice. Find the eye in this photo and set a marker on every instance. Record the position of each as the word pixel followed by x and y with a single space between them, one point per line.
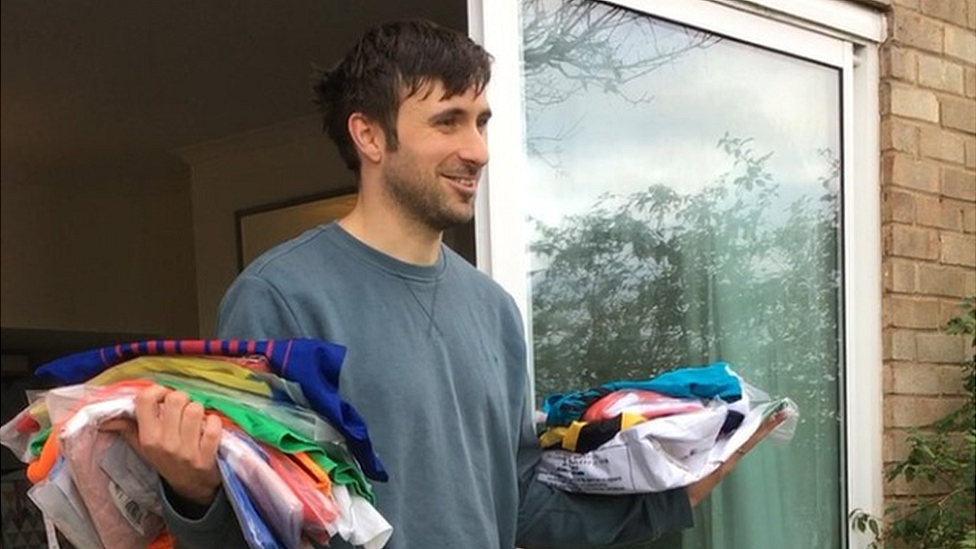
pixel 448 122
pixel 483 122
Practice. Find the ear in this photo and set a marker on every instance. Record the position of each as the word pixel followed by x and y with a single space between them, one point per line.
pixel 367 136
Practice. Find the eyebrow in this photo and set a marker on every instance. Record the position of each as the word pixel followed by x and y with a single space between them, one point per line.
pixel 458 112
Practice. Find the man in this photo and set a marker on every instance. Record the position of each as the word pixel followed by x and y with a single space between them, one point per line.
pixel 436 360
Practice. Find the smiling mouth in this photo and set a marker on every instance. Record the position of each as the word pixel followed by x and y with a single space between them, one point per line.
pixel 467 182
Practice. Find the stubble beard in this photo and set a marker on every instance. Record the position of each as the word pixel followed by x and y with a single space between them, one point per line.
pixel 423 198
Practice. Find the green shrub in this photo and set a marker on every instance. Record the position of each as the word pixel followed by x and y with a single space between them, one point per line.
pixel 944 453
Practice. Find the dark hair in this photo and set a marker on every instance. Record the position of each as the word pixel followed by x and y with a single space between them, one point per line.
pixel 393 59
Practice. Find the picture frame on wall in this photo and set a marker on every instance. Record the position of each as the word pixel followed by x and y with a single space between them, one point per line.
pixel 262 227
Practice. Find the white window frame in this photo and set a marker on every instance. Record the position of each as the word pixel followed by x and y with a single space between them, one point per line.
pixel 834 32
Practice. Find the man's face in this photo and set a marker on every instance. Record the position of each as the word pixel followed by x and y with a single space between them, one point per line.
pixel 434 173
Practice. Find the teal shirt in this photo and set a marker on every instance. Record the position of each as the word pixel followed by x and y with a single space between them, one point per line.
pixel 436 365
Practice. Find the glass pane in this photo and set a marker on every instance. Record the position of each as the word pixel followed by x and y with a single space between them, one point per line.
pixel 683 209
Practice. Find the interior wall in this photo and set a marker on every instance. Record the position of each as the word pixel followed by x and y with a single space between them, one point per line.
pixel 98 258
pixel 272 165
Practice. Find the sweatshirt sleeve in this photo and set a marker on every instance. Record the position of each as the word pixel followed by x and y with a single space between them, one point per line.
pixel 553 518
pixel 217 527
pixel 252 308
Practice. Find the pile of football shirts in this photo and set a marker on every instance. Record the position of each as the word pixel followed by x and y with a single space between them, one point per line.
pixel 296 460
pixel 654 434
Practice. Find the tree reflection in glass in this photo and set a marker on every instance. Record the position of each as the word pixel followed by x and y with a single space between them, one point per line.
pixel 684 208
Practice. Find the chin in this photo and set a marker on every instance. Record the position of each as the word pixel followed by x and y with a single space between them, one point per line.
pixel 453 219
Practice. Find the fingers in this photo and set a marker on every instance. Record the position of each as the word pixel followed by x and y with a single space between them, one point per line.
pixel 168 422
pixel 775 420
pixel 171 418
pixel 769 425
pixel 118 425
pixel 190 425
pixel 125 427
pixel 147 409
pixel 177 438
pixel 210 439
pixel 765 428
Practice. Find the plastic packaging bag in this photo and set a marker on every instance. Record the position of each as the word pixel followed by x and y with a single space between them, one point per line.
pixel 18 433
pixel 255 530
pixel 359 522
pixel 658 455
pixel 277 504
pixel 58 498
pixel 120 520
pixel 320 511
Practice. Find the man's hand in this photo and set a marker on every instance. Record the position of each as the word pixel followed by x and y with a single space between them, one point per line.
pixel 698 491
pixel 177 439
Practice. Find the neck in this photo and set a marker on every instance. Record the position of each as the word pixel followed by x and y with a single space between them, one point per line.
pixel 392 233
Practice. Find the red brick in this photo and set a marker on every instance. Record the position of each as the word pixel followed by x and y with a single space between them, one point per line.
pixel 914 30
pixel 943 281
pixel 912 312
pixel 896 134
pixel 958 249
pixel 917 411
pixel 906 241
pixel 899 275
pixel 959 184
pixel 915 103
pixel 894 445
pixel 900 344
pixel 935 211
pixel 934 72
pixel 899 206
pixel 905 171
pixel 940 347
pixel 915 379
pixel 898 63
pixel 951 380
pixel 960 43
pixel 941 145
pixel 969 143
pixel 959 114
pixel 950 308
pixel 953 11
pixel 969 218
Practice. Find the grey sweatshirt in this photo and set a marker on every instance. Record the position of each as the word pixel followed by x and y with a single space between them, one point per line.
pixel 436 365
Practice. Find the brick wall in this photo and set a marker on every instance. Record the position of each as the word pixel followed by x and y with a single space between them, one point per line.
pixel 928 184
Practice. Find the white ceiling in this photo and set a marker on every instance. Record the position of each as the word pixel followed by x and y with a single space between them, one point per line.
pixel 102 90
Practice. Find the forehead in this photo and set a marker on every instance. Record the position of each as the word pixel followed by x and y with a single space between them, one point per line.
pixel 430 97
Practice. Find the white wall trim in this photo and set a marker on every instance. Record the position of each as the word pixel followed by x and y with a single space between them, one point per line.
pixel 854 20
pixel 500 237
pixel 746 26
pixel 862 288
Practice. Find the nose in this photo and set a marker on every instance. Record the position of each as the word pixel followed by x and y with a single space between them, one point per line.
pixel 475 148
